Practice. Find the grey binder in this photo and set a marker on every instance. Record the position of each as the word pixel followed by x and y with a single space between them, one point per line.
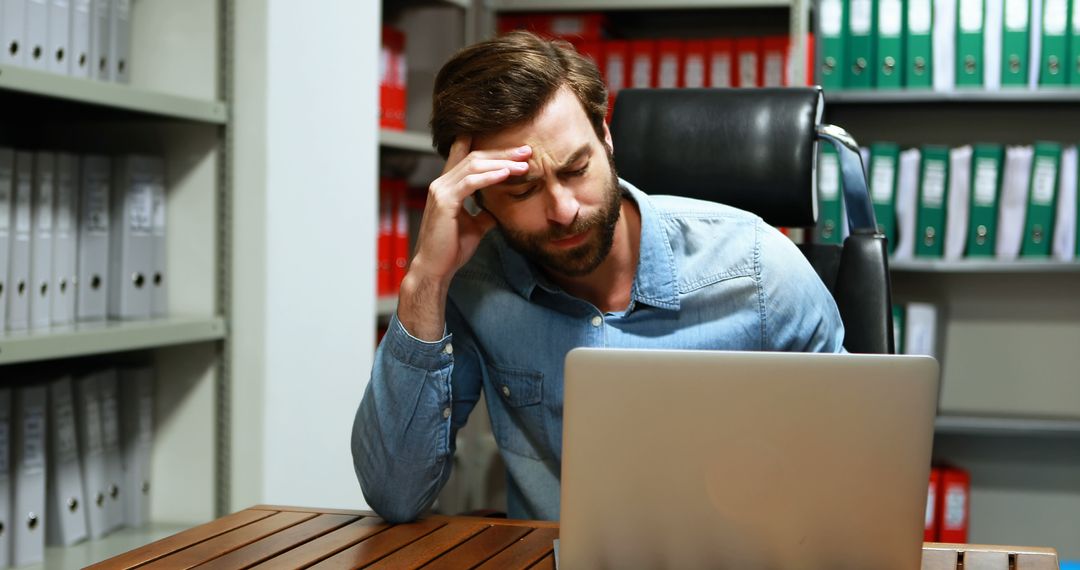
pixel 92 453
pixel 137 440
pixel 37 35
pixel 120 41
pixel 18 301
pixel 159 297
pixel 13 28
pixel 41 240
pixel 99 39
pixel 29 513
pixel 7 481
pixel 65 240
pixel 131 242
pixel 65 508
pixel 109 385
pixel 7 189
pixel 59 52
pixel 95 176
pixel 79 64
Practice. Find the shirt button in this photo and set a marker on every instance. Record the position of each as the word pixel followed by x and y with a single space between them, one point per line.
pixel 449 349
pixel 506 391
pixel 597 321
pixel 446 413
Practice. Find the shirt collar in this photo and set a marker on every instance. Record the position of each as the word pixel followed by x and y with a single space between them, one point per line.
pixel 656 281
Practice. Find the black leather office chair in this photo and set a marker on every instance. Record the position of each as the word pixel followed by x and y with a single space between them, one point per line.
pixel 755 149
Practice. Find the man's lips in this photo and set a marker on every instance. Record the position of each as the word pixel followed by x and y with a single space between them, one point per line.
pixel 570 241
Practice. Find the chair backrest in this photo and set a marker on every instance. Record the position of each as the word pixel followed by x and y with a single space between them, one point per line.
pixel 756 149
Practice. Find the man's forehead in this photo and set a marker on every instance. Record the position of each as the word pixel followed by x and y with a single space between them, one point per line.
pixel 560 125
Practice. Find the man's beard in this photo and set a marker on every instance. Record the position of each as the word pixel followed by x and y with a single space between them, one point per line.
pixel 585 258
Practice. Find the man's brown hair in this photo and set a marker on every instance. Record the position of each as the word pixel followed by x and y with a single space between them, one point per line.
pixel 506 81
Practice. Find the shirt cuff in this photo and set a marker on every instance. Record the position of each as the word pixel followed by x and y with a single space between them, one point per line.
pixel 410 350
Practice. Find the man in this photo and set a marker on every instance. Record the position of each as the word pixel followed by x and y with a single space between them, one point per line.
pixel 579 258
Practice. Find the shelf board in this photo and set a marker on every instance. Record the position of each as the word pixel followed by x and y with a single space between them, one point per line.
pixel 1006 426
pixel 92 551
pixel 86 339
pixel 406 140
pixel 984 266
pixel 893 97
pixel 109 95
pixel 385 307
pixel 583 5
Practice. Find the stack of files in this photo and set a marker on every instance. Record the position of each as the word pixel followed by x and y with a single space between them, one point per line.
pixel 136 445
pixel 393 240
pixel 948 45
pixel 29 462
pixel 80 38
pixel 137 181
pixel 92 459
pixel 61 260
pixel 977 201
pixel 392 71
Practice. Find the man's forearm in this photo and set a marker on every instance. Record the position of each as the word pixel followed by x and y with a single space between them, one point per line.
pixel 422 306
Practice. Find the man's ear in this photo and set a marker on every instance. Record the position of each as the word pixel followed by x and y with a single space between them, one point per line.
pixel 607 139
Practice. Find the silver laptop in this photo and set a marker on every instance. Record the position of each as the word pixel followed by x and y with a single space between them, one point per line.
pixel 705 459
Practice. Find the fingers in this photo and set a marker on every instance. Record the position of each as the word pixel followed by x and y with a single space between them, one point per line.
pixel 473 182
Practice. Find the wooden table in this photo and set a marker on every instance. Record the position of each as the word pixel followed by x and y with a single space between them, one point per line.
pixel 290 537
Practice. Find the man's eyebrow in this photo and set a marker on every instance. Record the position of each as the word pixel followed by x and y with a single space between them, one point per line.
pixel 529 178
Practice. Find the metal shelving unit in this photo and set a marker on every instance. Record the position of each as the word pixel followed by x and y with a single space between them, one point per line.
pixel 85 339
pixel 985 266
pixel 1007 426
pixel 113 96
pixel 922 96
pixel 405 140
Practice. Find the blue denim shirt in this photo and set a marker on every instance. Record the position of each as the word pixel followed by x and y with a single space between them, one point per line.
pixel 709 277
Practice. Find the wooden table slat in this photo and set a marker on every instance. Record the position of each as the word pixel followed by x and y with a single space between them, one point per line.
pixel 220 545
pixel 546 563
pixel 1036 562
pixel 479 548
pixel 275 544
pixel 380 545
pixel 327 545
pixel 431 546
pixel 986 560
pixel 525 552
pixel 181 540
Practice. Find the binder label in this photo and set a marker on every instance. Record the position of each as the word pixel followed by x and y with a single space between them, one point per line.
pixel 159 210
pixel 971 16
pixel 67 447
pixel 1076 20
pixel 861 11
pixel 63 208
pixel 1042 181
pixel 828 177
pixel 774 69
pixel 615 79
pixel 33 438
pixel 5 447
pixel 567 26
pixel 5 205
pixel 881 183
pixel 45 205
pixel 748 69
pixel 109 429
pixel 669 70
pixel 22 206
pixel 141 209
pixel 1054 17
pixel 1016 15
pixel 955 503
pixel 919 16
pixel 930 497
pixel 934 184
pixel 985 182
pixel 92 422
pixel 890 18
pixel 832 18
pixel 642 71
pixel 97 208
pixel 695 71
pixel 721 71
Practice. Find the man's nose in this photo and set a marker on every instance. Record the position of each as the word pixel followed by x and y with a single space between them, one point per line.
pixel 562 205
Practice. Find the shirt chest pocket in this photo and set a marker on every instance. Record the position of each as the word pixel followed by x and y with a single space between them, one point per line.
pixel 515 398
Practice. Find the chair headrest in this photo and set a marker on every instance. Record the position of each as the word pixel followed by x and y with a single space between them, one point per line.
pixel 753 149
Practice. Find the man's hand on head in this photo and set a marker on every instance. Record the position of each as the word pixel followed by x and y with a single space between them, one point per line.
pixel 449 235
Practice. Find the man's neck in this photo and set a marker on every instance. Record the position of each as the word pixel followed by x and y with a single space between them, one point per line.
pixel 608 287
